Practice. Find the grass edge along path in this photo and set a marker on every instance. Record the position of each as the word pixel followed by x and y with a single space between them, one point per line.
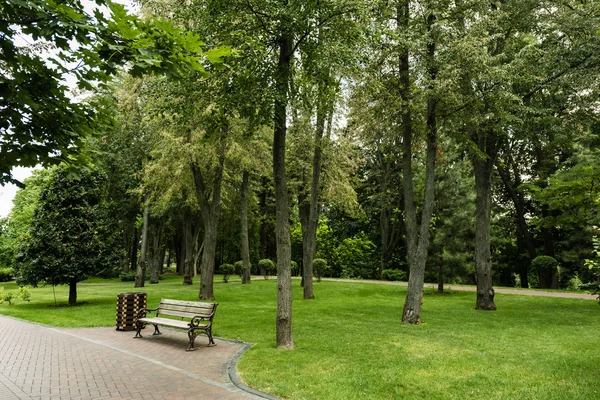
pixel 350 342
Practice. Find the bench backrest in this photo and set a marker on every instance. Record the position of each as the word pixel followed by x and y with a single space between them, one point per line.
pixel 186 309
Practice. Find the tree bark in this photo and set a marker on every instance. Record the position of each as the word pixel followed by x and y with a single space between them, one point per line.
pixel 244 228
pixel 134 249
pixel 483 165
pixel 73 292
pixel 283 322
pixel 210 206
pixel 417 239
pixel 313 215
pixel 157 244
pixel 188 248
pixel 140 275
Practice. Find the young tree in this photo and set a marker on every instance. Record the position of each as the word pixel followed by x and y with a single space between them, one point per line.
pixel 71 236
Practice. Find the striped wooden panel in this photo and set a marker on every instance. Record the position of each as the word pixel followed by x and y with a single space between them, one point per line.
pixel 186 303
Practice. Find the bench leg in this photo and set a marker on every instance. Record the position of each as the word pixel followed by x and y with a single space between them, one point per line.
pixel 211 342
pixel 192 335
pixel 139 327
pixel 156 331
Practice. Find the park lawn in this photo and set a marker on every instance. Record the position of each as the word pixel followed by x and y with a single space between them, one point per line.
pixel 350 342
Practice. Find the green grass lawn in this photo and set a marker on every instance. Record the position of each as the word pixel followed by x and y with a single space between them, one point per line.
pixel 350 342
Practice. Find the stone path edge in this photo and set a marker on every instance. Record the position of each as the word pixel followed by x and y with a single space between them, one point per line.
pixel 235 378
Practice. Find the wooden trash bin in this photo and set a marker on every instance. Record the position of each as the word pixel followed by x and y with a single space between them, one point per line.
pixel 128 305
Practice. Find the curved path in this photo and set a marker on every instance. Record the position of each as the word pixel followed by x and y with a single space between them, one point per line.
pixel 522 292
pixel 41 362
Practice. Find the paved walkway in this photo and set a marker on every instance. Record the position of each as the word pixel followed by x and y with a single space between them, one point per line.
pixel 468 288
pixel 41 362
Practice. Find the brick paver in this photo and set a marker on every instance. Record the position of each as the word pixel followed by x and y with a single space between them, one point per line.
pixel 40 362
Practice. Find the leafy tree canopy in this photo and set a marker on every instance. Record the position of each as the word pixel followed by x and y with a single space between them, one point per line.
pixel 39 122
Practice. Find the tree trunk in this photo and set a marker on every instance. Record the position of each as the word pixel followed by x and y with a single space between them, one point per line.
pixel 157 244
pixel 134 249
pixel 188 248
pixel 73 292
pixel 210 206
pixel 519 203
pixel 304 214
pixel 244 229
pixel 140 275
pixel 483 187
pixel 417 239
pixel 283 322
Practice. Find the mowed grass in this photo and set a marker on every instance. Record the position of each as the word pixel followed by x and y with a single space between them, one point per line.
pixel 350 343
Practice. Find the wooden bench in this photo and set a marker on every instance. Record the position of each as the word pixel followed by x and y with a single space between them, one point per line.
pixel 195 317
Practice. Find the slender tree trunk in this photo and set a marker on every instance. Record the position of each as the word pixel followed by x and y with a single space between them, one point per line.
pixel 283 322
pixel 244 228
pixel 140 275
pixel 519 203
pixel 134 249
pixel 73 292
pixel 210 207
pixel 188 248
pixel 323 108
pixel 483 210
pixel 304 214
pixel 157 244
pixel 418 242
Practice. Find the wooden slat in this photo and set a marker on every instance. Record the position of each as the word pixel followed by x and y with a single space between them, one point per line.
pixel 177 313
pixel 191 310
pixel 187 303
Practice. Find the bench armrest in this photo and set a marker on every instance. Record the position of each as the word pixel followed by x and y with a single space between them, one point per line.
pixel 195 321
pixel 142 312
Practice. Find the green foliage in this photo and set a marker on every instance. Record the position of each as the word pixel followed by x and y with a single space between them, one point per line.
pixel 393 275
pixel 128 276
pixel 6 296
pixel 542 264
pixel 227 270
pixel 266 267
pixel 320 268
pixel 294 268
pixel 72 235
pixel 24 293
pixel 41 124
pixel 356 257
pixel 6 274
pixel 239 267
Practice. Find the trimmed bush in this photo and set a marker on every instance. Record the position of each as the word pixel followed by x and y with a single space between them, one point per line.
pixel 294 268
pixel 393 275
pixel 319 268
pixel 239 267
pixel 6 274
pixel 266 267
pixel 127 276
pixel 546 268
pixel 227 270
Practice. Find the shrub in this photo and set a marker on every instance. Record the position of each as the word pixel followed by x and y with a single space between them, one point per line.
pixel 227 270
pixel 266 267
pixel 544 264
pixel 546 268
pixel 319 267
pixel 24 293
pixel 127 276
pixel 6 274
pixel 393 275
pixel 239 267
pixel 356 256
pixel 294 268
